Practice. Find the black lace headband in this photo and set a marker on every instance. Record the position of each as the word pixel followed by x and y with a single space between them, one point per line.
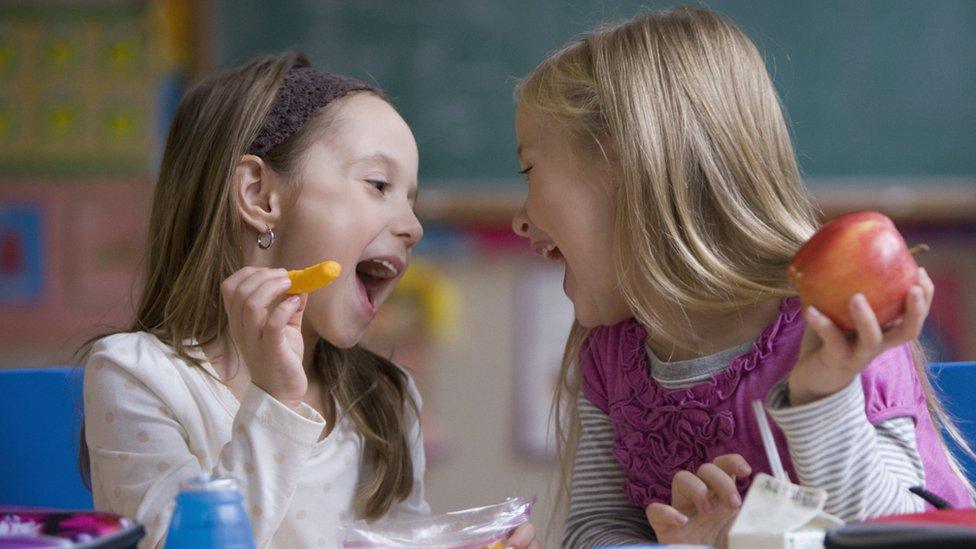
pixel 303 91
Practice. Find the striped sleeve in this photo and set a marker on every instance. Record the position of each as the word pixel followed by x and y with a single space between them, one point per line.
pixel 599 512
pixel 865 469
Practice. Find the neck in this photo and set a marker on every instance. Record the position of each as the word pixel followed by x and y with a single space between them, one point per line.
pixel 705 333
pixel 227 361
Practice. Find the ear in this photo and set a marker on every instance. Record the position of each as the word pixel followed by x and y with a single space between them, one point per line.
pixel 257 192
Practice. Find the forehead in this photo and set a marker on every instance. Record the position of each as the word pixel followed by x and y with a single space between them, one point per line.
pixel 536 132
pixel 526 128
pixel 368 127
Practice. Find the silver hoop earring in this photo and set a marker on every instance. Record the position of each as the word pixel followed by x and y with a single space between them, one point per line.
pixel 266 240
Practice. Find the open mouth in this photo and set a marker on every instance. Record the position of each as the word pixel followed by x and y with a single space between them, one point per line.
pixel 551 253
pixel 376 276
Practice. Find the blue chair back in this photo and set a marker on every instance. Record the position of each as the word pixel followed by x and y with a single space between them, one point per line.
pixel 40 418
pixel 955 384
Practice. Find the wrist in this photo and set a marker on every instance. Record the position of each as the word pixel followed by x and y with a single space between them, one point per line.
pixel 286 397
pixel 797 395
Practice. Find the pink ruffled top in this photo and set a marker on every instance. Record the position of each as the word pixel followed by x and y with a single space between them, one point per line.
pixel 658 432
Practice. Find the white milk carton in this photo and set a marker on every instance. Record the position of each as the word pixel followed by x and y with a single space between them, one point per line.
pixel 777 514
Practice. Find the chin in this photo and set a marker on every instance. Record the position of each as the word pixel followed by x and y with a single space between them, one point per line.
pixel 592 317
pixel 341 337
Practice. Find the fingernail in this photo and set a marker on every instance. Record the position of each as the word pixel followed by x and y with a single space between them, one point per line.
pixel 284 282
pixel 680 520
pixel 735 501
pixel 295 299
pixel 707 506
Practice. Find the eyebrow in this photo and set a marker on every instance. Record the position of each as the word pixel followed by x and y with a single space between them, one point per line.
pixel 377 156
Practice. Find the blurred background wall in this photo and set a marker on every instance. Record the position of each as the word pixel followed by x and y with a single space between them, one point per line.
pixel 880 97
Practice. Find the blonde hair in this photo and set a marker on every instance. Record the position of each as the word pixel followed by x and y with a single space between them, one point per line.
pixel 710 207
pixel 195 243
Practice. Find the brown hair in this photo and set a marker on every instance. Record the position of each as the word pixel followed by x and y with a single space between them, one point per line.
pixel 194 244
pixel 710 207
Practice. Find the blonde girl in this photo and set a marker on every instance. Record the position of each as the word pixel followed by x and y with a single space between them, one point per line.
pixel 660 173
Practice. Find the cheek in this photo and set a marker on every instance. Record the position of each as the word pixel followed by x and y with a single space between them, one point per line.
pixel 326 315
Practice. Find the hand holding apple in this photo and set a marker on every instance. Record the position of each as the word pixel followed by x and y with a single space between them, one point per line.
pixel 851 260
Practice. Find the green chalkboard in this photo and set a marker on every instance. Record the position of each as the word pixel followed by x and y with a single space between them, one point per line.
pixel 873 89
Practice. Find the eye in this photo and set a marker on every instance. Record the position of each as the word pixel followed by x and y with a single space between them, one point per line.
pixel 379 184
pixel 526 171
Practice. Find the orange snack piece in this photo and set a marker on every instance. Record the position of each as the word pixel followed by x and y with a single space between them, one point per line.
pixel 317 276
pixel 496 545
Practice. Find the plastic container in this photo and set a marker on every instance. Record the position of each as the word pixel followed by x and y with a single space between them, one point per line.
pixel 209 514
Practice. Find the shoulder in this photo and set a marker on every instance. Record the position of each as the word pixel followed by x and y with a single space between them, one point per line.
pixel 124 356
pixel 411 385
pixel 891 385
pixel 604 353
pixel 128 346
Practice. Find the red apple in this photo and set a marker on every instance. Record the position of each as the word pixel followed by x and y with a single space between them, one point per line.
pixel 860 252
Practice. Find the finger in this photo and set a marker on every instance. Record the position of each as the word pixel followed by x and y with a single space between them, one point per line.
pixel 296 319
pixel 687 487
pixel 927 285
pixel 734 465
pixel 258 304
pixel 522 536
pixel 721 484
pixel 230 284
pixel 916 309
pixel 282 316
pixel 536 544
pixel 869 335
pixel 664 518
pixel 246 288
pixel 833 338
pixel 258 278
pixel 236 293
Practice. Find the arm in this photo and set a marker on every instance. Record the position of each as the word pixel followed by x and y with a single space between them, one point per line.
pixel 599 513
pixel 865 469
pixel 141 452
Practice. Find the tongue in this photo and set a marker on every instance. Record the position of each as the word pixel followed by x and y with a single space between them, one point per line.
pixel 367 285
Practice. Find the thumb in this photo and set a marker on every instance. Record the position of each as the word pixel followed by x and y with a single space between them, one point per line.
pixel 811 341
pixel 296 318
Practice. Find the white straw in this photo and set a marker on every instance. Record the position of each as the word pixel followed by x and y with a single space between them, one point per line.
pixel 772 453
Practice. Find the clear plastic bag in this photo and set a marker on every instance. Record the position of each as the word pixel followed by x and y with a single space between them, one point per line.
pixel 476 528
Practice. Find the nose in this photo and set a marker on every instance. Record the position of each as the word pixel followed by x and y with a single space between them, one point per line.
pixel 409 227
pixel 521 223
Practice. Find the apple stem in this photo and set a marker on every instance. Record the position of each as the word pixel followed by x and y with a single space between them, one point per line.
pixel 921 248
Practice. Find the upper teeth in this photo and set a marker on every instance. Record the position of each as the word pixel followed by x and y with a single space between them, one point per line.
pixel 380 268
pixel 547 251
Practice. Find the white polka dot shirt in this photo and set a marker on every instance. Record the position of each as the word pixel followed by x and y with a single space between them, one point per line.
pixel 152 420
